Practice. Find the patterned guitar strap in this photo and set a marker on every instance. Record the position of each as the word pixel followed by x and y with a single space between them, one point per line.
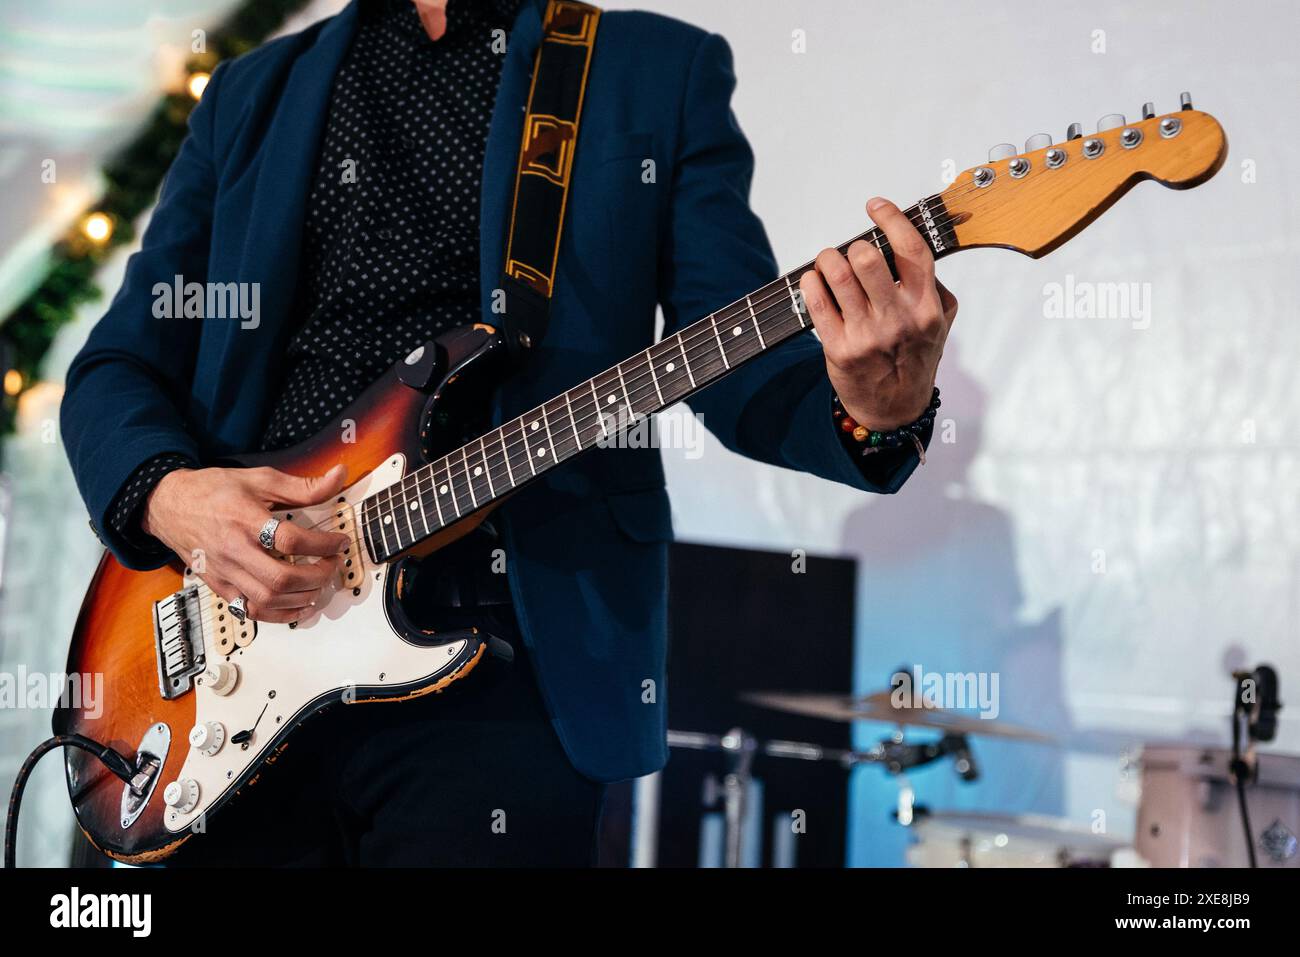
pixel 545 170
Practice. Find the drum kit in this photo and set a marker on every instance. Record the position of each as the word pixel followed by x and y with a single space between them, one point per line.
pixel 1187 816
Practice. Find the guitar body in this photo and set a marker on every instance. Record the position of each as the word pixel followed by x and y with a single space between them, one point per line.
pixel 359 647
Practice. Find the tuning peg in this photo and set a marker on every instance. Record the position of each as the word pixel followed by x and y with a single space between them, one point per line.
pixel 1037 142
pixel 1074 131
pixel 1148 110
pixel 1001 151
pixel 1110 121
pixel 1186 100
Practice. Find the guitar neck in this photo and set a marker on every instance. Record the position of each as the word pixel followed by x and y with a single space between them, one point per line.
pixel 506 458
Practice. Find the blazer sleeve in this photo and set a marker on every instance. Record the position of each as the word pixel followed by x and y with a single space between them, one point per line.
pixel 778 407
pixel 125 389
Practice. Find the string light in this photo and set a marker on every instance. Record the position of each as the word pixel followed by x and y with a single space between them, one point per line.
pixel 97 227
pixel 198 82
pixel 13 382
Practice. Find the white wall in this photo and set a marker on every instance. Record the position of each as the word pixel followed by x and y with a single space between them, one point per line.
pixel 1086 438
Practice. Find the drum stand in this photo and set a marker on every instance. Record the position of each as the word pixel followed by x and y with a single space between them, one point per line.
pixel 740 748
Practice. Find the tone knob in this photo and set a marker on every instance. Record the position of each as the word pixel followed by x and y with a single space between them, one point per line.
pixel 1001 151
pixel 182 795
pixel 1039 141
pixel 220 677
pixel 208 737
pixel 1074 131
pixel 1110 121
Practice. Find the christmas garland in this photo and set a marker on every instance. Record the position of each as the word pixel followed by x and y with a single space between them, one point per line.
pixel 132 180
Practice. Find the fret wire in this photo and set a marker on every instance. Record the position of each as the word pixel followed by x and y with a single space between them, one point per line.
pixel 573 423
pixel 469 481
pixel 446 487
pixel 394 511
pixel 713 320
pixel 419 499
pixel 794 302
pixel 627 399
pixel 546 424
pixel 366 503
pixel 755 318
pixel 487 468
pixel 382 532
pixel 681 344
pixel 650 363
pixel 406 510
pixel 596 407
pixel 528 452
pixel 505 454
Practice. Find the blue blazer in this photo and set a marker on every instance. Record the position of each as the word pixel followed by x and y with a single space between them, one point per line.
pixel 587 545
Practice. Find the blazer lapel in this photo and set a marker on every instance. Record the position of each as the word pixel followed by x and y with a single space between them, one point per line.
pixel 288 164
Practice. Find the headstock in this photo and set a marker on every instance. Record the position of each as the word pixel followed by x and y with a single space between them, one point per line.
pixel 1034 201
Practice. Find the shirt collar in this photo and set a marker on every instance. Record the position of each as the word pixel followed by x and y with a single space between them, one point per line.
pixel 461 14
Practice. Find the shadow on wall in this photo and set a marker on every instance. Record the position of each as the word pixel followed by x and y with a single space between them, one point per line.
pixel 939 589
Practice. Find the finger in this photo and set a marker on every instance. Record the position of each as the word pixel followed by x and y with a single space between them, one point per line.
pixel 229 591
pixel 291 539
pixel 872 271
pixel 281 576
pixel 281 488
pixel 821 309
pixel 265 604
pixel 843 284
pixel 912 256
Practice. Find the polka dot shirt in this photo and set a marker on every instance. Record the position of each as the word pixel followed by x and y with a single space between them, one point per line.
pixel 391 236
pixel 391 243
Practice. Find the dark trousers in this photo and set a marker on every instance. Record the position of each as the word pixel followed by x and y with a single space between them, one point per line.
pixel 473 776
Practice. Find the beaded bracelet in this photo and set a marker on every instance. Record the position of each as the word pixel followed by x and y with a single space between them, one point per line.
pixel 874 441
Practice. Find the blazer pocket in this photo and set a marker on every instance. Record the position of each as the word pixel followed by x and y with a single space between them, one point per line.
pixel 643 516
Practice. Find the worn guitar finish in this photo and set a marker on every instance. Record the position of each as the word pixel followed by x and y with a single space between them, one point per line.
pixel 201 702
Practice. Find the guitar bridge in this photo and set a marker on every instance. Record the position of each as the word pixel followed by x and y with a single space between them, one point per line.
pixel 178 641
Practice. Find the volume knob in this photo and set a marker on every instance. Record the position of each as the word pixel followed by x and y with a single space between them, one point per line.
pixel 208 737
pixel 220 677
pixel 1110 121
pixel 182 795
pixel 1001 151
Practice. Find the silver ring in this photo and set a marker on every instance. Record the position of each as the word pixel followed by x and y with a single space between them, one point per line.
pixel 239 608
pixel 267 535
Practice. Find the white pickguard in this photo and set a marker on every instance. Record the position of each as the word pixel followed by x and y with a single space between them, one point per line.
pixel 347 644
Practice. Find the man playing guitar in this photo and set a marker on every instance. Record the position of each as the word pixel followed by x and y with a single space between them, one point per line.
pixel 359 172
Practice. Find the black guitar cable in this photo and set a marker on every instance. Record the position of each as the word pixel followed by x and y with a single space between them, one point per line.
pixel 107 756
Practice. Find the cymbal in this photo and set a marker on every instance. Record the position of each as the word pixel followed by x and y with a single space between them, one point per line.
pixel 879 707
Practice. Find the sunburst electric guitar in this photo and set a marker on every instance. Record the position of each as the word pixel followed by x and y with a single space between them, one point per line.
pixel 199 702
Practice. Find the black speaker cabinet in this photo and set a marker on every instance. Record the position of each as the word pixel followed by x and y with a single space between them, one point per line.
pixel 743 620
